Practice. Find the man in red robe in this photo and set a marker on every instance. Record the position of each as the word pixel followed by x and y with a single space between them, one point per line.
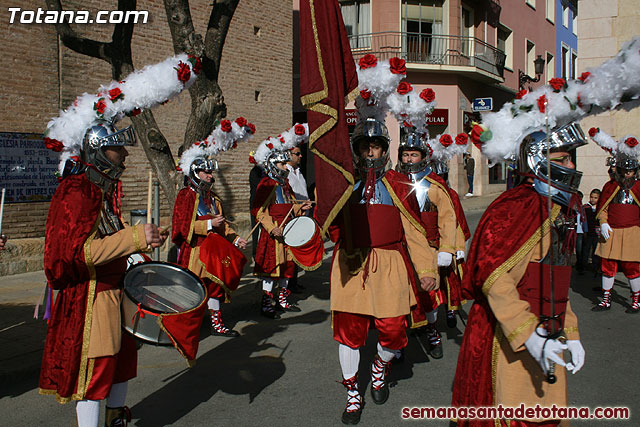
pixel 618 211
pixel 514 334
pixel 381 252
pixel 86 355
pixel 197 212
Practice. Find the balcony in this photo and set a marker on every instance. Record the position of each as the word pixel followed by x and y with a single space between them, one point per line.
pixel 436 52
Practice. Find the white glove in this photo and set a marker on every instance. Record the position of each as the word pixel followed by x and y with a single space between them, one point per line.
pixel 605 230
pixel 577 356
pixel 553 348
pixel 444 259
pixel 460 255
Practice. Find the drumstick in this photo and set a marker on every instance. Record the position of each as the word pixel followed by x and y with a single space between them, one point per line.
pixel 288 213
pixel 252 230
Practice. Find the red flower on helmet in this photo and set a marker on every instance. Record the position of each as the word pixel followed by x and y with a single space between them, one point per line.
pixel 631 142
pixel 135 112
pixel 115 94
pixel 368 61
pixel 235 144
pixel 593 132
pixel 241 121
pixel 462 139
pixel 196 64
pixel 521 94
pixel 397 65
pixel 270 146
pixel 252 128
pixel 225 126
pixel 252 160
pixel 428 95
pixel 184 72
pixel 476 131
pixel 583 78
pixel 100 106
pixel 404 88
pixel 446 140
pixel 53 144
pixel 430 150
pixel 557 84
pixel 365 94
pixel 299 130
pixel 541 101
pixel 282 140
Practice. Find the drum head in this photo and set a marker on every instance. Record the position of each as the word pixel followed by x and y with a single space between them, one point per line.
pixel 163 288
pixel 299 231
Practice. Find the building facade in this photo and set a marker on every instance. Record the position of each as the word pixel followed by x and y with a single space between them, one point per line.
pixel 45 76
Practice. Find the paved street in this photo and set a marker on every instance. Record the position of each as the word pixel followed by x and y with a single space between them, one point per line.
pixel 285 372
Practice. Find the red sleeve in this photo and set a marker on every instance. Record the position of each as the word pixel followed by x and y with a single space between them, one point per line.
pixel 182 215
pixel 265 187
pixel 73 212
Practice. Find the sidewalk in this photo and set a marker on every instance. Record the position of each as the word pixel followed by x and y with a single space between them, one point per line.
pixel 477 203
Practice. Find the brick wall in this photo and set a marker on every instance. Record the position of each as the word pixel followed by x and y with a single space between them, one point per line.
pixel 257 57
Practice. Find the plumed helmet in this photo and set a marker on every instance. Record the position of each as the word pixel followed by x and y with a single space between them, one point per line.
pixel 272 169
pixel 413 141
pixel 103 135
pixel 370 130
pixel 199 164
pixel 533 159
pixel 623 164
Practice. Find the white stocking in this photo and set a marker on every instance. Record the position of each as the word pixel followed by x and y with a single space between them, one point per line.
pixel 267 285
pixel 607 283
pixel 88 412
pixel 386 354
pixel 349 360
pixel 213 304
pixel 117 395
pixel 635 284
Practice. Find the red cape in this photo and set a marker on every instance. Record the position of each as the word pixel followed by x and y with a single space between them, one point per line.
pixel 499 236
pixel 73 212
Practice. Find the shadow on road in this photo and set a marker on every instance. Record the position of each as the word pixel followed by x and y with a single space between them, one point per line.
pixel 232 367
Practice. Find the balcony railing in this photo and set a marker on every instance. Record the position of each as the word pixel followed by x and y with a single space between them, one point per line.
pixel 434 49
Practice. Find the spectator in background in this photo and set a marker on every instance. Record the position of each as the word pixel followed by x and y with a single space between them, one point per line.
pixel 580 227
pixel 469 166
pixel 592 232
pixel 299 186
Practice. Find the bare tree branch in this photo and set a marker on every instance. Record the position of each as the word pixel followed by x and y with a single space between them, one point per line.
pixel 82 45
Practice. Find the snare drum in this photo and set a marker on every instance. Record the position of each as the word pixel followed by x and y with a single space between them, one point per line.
pixel 154 289
pixel 304 239
pixel 299 231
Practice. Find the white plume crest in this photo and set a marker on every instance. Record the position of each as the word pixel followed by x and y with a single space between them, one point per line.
pixel 379 81
pixel 615 82
pixel 290 138
pixel 142 89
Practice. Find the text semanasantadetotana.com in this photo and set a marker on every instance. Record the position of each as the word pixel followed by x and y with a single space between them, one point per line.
pixel 520 412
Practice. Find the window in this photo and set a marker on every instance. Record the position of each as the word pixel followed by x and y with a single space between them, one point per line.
pixel 505 44
pixel 498 174
pixel 550 10
pixel 530 68
pixel 574 27
pixel 422 29
pixel 357 21
pixel 565 61
pixel 565 16
pixel 466 31
pixel 574 64
pixel 531 3
pixel 550 71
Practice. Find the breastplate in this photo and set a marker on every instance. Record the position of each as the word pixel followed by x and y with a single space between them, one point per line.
pixel 203 209
pixel 281 197
pixel 109 221
pixel 562 227
pixel 623 197
pixel 421 187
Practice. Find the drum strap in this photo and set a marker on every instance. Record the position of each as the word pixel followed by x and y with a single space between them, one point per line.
pixel 141 312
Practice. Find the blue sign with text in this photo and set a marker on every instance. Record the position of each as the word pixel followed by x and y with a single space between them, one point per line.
pixel 482 104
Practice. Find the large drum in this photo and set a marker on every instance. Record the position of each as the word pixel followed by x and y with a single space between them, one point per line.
pixel 153 289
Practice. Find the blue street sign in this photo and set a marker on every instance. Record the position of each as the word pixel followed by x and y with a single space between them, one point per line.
pixel 482 104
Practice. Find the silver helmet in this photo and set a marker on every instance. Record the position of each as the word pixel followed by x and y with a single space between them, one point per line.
pixel 625 163
pixel 440 168
pixel 369 130
pixel 103 135
pixel 272 169
pixel 533 159
pixel 200 164
pixel 413 141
